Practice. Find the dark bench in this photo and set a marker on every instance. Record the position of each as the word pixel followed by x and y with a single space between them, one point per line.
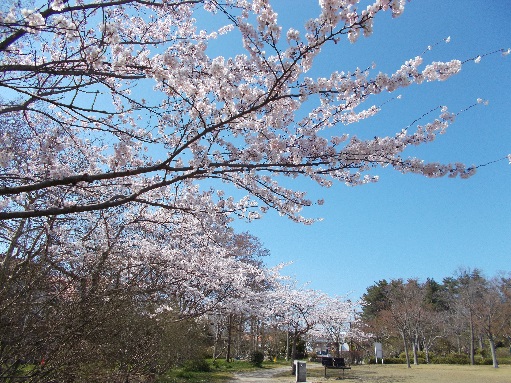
pixel 334 363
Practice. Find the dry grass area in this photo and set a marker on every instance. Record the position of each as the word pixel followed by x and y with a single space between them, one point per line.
pixel 416 374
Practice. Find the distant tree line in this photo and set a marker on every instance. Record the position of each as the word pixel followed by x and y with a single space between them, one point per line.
pixel 465 314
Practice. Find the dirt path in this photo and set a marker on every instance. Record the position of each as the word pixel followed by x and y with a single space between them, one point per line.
pixel 265 375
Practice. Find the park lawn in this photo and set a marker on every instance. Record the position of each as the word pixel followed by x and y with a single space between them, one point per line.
pixel 427 373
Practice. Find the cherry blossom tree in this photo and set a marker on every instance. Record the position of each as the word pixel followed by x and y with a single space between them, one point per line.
pixel 337 322
pixel 106 285
pixel 296 311
pixel 117 102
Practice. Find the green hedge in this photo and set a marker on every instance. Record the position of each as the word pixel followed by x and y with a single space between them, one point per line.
pixel 451 359
pixel 447 359
pixel 386 361
pixel 394 361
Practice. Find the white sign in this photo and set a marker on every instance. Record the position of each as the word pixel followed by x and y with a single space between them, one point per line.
pixel 378 351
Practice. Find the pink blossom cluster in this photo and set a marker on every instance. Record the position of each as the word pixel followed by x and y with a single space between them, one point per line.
pixel 111 109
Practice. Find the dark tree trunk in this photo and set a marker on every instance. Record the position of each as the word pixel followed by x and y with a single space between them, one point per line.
pixel 229 339
pixel 403 335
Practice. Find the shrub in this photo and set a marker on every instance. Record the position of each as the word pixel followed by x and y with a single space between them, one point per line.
pixel 420 355
pixel 451 359
pixel 257 358
pixel 399 360
pixel 386 361
pixel 370 360
pixel 394 361
pixel 197 365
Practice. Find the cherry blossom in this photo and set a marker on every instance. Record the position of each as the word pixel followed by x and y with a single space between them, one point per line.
pixel 111 109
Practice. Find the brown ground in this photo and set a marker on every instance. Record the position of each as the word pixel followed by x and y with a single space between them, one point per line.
pixel 386 374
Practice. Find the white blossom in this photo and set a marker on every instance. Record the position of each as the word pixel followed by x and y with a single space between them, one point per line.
pixel 33 18
pixel 10 17
pixel 57 5
pixel 251 118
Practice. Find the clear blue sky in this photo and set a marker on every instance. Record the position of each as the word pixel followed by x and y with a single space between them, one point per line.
pixel 408 226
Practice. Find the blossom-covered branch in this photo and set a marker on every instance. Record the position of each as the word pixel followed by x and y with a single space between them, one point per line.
pixel 119 102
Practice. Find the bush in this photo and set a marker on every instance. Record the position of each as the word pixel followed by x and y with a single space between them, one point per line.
pixel 399 360
pixel 196 365
pixel 394 361
pixel 451 359
pixel 386 361
pixel 257 358
pixel 370 360
pixel 462 359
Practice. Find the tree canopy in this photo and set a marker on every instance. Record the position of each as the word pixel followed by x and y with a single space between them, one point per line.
pixel 116 102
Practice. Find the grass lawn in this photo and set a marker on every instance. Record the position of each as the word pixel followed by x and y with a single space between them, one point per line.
pixel 396 373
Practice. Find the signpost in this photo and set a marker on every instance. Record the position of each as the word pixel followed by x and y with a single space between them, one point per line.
pixel 378 352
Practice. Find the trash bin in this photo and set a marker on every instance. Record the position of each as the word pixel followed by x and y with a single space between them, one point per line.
pixel 301 371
